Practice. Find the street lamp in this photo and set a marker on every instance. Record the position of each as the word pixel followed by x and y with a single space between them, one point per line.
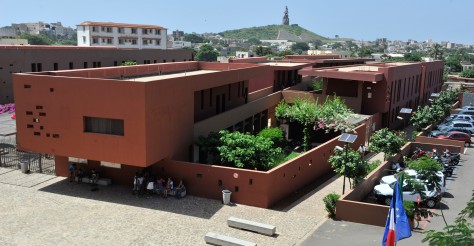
pixel 346 138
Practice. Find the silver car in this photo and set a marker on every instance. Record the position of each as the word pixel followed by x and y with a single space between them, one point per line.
pixel 458 124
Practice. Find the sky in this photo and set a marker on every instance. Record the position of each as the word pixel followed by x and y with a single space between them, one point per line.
pixel 439 20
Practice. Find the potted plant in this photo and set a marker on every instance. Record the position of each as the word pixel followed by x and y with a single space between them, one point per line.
pixel 415 213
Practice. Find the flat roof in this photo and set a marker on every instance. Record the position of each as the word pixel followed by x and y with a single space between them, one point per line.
pixel 359 69
pixel 284 64
pixel 114 24
pixel 170 76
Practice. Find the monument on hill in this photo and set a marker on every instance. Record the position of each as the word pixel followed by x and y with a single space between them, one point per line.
pixel 286 20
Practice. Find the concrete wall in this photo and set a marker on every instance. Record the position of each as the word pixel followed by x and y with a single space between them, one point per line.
pixel 428 140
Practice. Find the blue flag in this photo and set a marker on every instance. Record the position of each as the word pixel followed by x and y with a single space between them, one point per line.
pixel 397 226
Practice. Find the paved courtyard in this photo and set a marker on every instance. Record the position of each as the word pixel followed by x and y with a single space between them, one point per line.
pixel 40 209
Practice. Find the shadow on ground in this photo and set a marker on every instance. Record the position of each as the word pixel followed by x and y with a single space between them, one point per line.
pixel 189 205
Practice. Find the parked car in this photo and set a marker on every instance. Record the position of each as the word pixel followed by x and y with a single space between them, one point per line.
pixel 437 133
pixel 465 111
pixel 457 123
pixel 468 108
pixel 413 174
pixel 459 136
pixel 384 193
pixel 465 117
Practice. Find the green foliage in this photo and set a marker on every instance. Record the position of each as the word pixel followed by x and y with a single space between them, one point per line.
pixel 303 46
pixel 453 61
pixel 193 38
pixel 413 57
pixel 275 134
pixel 460 233
pixel 356 168
pixel 373 165
pixel 336 46
pixel 207 53
pixel 210 144
pixel 426 168
pixel 254 41
pixel 436 52
pixel 332 115
pixel 129 63
pixel 330 204
pixel 262 50
pixel 47 39
pixel 414 134
pixel 385 141
pixel 468 73
pixel 247 151
pixel 271 32
pixel 424 116
pixel 364 51
pixel 282 158
pixel 317 84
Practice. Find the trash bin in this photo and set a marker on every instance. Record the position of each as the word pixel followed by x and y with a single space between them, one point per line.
pixel 226 197
pixel 24 167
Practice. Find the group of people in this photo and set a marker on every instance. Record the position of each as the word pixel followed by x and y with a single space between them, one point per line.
pixel 149 185
pixel 75 172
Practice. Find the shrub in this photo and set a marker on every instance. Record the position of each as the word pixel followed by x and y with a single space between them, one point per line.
pixel 330 204
pixel 373 165
pixel 468 73
pixel 317 84
pixel 273 133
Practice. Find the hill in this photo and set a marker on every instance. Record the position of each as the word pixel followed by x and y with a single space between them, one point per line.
pixel 272 32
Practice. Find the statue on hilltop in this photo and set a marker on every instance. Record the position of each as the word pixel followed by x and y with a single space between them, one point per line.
pixel 286 19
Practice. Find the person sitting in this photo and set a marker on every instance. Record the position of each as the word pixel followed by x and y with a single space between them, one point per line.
pixel 150 187
pixel 169 187
pixel 159 186
pixel 94 177
pixel 180 189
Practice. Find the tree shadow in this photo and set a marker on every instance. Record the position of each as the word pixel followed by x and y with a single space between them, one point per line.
pixel 190 205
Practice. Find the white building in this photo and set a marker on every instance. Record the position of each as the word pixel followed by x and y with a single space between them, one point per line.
pixel 121 35
pixel 178 44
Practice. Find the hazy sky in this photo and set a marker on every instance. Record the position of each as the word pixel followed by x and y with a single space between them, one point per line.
pixel 440 20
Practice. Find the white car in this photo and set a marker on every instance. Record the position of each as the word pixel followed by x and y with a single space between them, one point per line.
pixel 412 174
pixel 384 193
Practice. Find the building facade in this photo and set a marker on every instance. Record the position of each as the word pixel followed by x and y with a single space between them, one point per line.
pixel 35 58
pixel 121 35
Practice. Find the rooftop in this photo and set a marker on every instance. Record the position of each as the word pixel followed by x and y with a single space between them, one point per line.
pixel 113 24
pixel 284 64
pixel 170 76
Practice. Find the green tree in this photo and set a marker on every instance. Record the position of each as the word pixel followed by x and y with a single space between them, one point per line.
pixel 354 166
pixel 336 46
pixel 436 52
pixel 300 46
pixel 453 61
pixel 193 38
pixel 206 53
pixel 468 73
pixel 254 41
pixel 244 150
pixel 427 169
pixel 129 63
pixel 458 234
pixel 275 134
pixel 40 39
pixel 208 147
pixel 385 141
pixel 413 57
pixel 262 50
pixel 422 117
pixel 364 51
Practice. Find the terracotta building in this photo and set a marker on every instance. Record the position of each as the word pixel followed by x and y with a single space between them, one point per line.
pixel 382 88
pixel 37 58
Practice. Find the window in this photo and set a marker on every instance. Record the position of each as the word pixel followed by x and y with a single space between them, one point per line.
pixel 134 31
pixel 95 41
pixel 145 42
pixel 94 29
pixel 83 39
pixel 109 41
pixel 55 66
pixel 120 30
pixel 157 42
pixel 103 29
pixel 103 126
pixel 109 29
pixel 71 65
pixel 144 31
pixel 121 41
pixel 157 32
pixel 134 41
pixel 85 64
pixel 38 65
pixel 33 67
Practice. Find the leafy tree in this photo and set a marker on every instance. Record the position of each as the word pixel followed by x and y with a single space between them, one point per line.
pixel 364 51
pixel 262 51
pixel 285 53
pixel 330 204
pixel 453 61
pixel 468 73
pixel 193 38
pixel 460 233
pixel 334 115
pixel 300 46
pixel 40 39
pixel 336 46
pixel 436 52
pixel 317 43
pixel 385 141
pixel 422 117
pixel 244 150
pixel 355 167
pixel 206 53
pixel 275 134
pixel 302 111
pixel 254 41
pixel 209 147
pixel 129 63
pixel 426 169
pixel 413 57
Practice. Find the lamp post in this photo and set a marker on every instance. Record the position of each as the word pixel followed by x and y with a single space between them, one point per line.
pixel 346 138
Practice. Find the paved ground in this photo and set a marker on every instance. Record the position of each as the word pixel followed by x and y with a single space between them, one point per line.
pixel 459 191
pixel 53 211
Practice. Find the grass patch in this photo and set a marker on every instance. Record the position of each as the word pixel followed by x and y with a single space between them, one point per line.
pixel 286 157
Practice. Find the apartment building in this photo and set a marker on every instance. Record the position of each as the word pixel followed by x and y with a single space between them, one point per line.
pixel 37 58
pixel 121 35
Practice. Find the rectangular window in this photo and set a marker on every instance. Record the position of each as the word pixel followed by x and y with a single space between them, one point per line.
pixel 121 41
pixel 134 41
pixel 99 64
pixel 103 126
pixel 202 99
pixel 71 65
pixel 95 41
pixel 83 39
pixel 85 64
pixel 145 42
pixel 55 66
pixel 157 42
pixel 109 29
pixel 39 66
pixel 134 31
pixel 144 31
pixel 120 30
pixel 33 67
pixel 228 91
pixel 210 98
pixel 94 29
pixel 94 64
pixel 109 41
pixel 157 32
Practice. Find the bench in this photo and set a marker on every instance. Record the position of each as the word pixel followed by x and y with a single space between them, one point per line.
pixel 218 239
pixel 100 181
pixel 264 229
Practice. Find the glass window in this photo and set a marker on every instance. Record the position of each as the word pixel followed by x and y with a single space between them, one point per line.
pixel 104 126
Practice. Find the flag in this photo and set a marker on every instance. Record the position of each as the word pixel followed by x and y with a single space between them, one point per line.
pixel 397 226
